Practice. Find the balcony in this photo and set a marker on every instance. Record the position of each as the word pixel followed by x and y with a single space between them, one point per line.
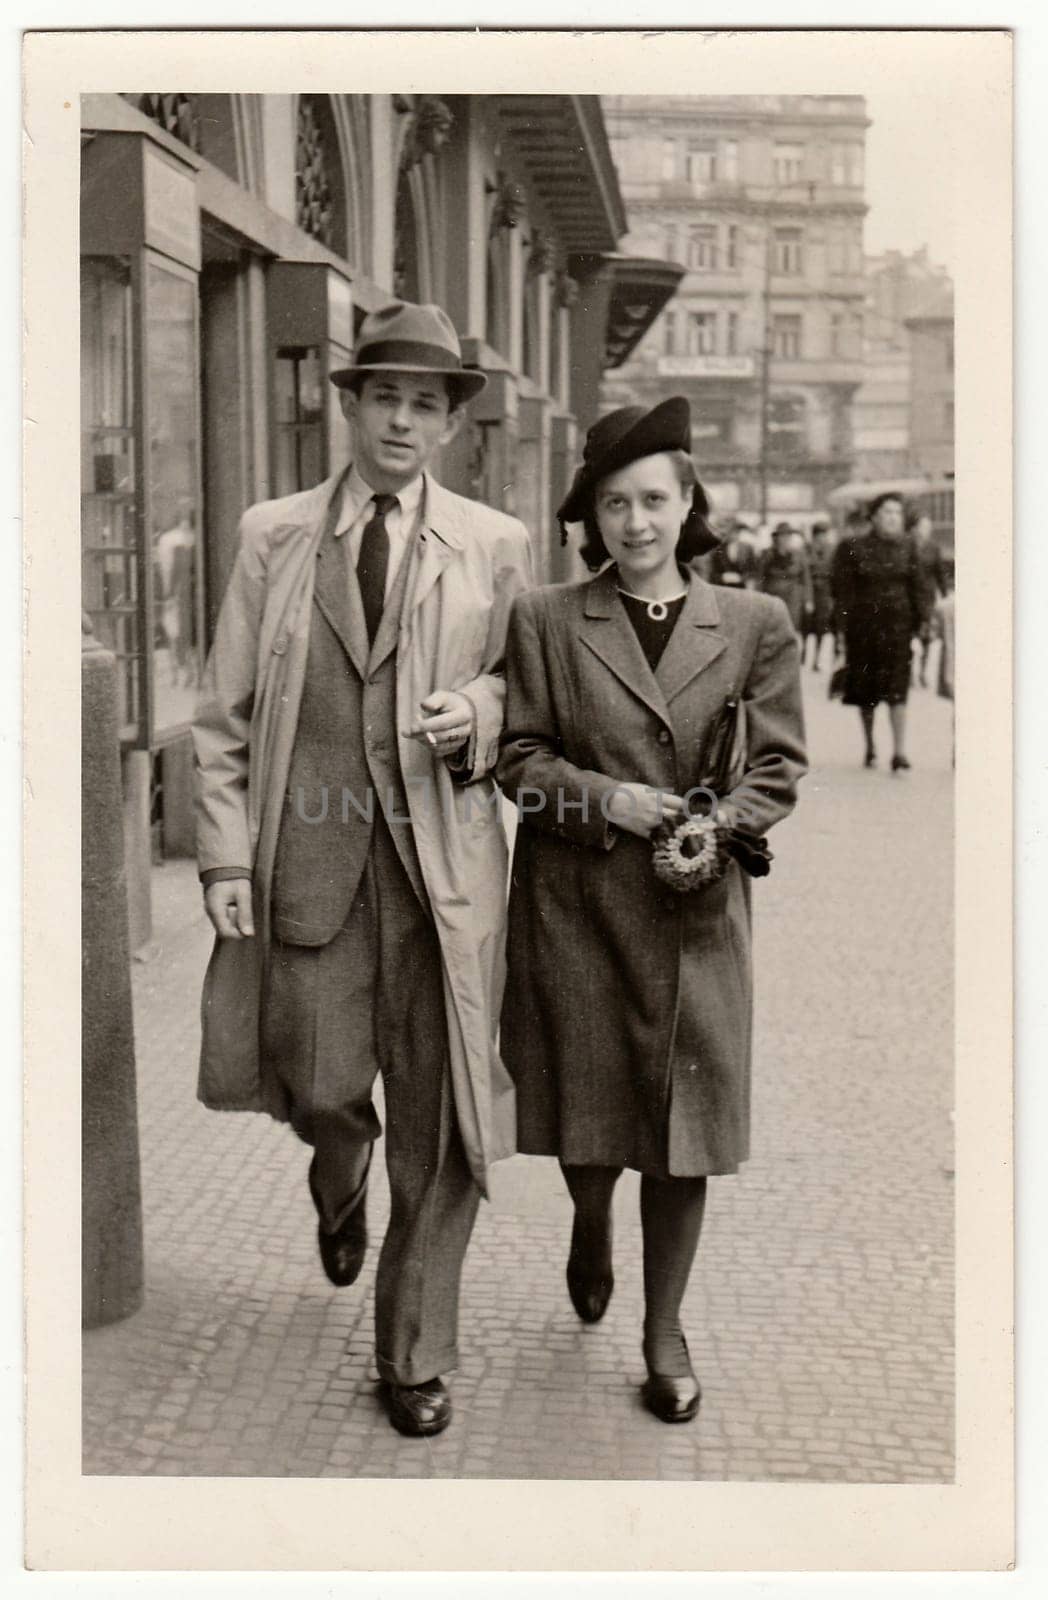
pixel 707 366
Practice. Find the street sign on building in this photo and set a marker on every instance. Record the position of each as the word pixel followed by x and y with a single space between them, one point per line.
pixel 706 367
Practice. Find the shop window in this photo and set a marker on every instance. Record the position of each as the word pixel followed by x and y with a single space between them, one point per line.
pixel 173 475
pixel 789 251
pixel 786 427
pixel 788 163
pixel 299 418
pixel 320 196
pixel 786 337
pixel 109 511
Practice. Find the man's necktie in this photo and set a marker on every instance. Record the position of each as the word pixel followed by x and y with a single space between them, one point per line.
pixel 373 562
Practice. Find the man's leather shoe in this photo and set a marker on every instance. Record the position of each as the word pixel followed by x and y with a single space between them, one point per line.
pixel 342 1250
pixel 419 1409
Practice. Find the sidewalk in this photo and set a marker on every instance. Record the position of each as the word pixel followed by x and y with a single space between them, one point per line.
pixel 820 1310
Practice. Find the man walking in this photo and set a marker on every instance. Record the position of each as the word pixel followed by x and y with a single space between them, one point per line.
pixel 349 841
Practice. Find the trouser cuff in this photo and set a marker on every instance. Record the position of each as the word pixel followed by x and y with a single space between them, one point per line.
pixel 407 1374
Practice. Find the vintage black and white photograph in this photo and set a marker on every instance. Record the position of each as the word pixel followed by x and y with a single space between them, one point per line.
pixel 518 762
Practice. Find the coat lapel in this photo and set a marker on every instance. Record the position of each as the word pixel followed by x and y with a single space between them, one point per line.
pixel 440 539
pixel 695 642
pixel 337 591
pixel 693 645
pixel 607 630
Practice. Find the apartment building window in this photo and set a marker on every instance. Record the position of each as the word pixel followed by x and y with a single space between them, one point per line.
pixel 949 354
pixel 703 333
pixel 731 333
pixel 846 165
pixel 947 416
pixel 702 251
pixel 788 253
pixel 728 163
pixel 702 163
pixel 669 333
pixel 837 252
pixel 731 246
pixel 788 161
pixel 836 335
pixel 786 337
pixel 669 160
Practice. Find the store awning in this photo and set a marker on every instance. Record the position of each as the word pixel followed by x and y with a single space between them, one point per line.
pixel 562 142
pixel 641 287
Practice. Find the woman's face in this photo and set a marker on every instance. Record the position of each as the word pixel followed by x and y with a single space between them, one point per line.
pixel 888 519
pixel 640 511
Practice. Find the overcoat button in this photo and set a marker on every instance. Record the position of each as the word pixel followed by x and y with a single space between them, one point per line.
pixel 664 736
pixel 280 644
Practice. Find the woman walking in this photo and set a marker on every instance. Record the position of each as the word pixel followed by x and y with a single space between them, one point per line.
pixel 880 600
pixel 626 1024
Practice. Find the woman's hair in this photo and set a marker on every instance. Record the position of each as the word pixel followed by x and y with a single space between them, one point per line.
pixel 695 534
pixel 882 500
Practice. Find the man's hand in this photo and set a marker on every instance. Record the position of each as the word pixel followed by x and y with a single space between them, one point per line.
pixel 639 809
pixel 228 905
pixel 444 723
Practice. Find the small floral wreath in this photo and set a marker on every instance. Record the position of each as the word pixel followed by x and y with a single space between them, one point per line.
pixel 693 854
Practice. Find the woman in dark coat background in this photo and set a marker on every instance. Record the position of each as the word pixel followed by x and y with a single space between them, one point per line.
pixel 627 1018
pixel 880 600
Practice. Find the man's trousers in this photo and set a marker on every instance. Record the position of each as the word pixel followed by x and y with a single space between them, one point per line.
pixel 372 1000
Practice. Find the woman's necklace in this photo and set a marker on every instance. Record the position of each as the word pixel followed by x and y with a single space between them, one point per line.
pixel 658 610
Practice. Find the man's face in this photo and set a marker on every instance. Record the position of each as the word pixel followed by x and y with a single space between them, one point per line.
pixel 399 420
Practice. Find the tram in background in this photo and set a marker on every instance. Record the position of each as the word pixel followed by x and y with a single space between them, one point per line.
pixel 932 496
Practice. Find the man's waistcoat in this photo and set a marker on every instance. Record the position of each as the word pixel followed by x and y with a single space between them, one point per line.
pixel 345 770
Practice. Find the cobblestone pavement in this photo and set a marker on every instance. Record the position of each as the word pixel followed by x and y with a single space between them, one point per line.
pixel 820 1309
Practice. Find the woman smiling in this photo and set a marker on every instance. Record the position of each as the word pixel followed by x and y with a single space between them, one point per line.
pixel 626 1024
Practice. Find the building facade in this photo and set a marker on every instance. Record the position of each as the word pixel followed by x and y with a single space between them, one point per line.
pixel 761 200
pixel 898 285
pixel 230 245
pixel 930 327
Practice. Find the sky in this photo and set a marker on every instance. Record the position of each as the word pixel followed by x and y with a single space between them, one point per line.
pixel 911 170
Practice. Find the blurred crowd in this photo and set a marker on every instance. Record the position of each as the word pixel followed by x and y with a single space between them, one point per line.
pixel 871 601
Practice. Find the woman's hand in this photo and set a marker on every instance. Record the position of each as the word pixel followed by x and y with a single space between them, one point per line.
pixel 639 809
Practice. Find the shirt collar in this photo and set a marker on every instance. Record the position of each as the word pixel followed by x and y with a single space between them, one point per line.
pixel 356 493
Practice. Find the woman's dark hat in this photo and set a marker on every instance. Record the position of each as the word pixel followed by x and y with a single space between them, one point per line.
pixel 404 337
pixel 624 436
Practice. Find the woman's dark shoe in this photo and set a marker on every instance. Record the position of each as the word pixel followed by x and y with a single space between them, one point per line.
pixel 900 764
pixel 672 1399
pixel 589 1274
pixel 871 759
pixel 419 1410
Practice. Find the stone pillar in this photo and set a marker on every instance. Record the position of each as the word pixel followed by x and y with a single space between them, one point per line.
pixel 111 1258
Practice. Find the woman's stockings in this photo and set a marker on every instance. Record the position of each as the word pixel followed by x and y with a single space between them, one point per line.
pixel 671 1211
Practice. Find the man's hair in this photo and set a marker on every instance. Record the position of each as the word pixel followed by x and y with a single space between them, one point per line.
pixel 695 534
pixel 456 399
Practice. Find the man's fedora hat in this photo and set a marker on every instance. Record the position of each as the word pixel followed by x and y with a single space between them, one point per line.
pixel 783 527
pixel 404 337
pixel 624 436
